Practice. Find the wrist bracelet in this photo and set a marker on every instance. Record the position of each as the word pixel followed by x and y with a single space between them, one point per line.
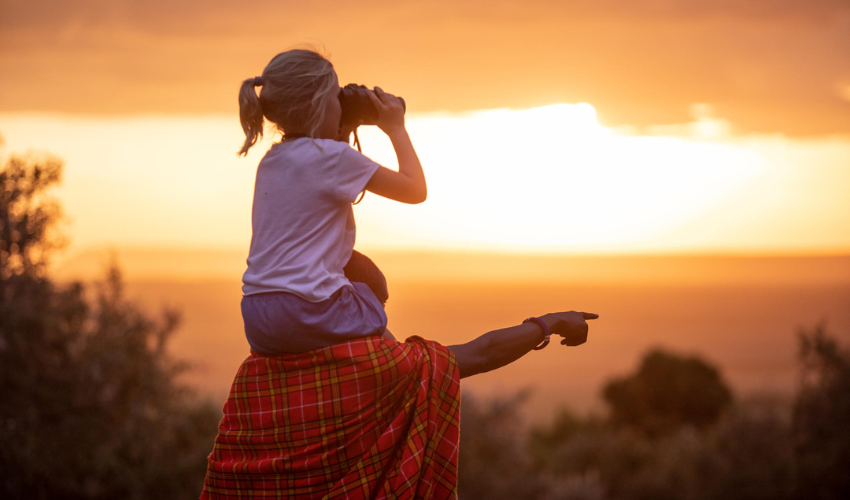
pixel 542 324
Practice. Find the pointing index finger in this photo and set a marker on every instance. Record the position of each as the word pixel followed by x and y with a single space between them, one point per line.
pixel 589 315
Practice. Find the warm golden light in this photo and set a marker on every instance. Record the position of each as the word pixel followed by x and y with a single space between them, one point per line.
pixel 546 179
pixel 679 168
pixel 553 178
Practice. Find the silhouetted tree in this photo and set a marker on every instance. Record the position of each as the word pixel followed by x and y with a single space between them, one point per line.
pixel 822 417
pixel 89 406
pixel 27 216
pixel 667 392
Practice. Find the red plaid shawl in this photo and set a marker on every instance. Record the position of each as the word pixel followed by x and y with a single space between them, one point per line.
pixel 367 418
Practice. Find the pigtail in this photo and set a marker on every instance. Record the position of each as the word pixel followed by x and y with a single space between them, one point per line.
pixel 295 84
pixel 250 113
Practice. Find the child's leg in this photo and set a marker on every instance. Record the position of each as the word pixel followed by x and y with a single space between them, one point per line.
pixel 280 323
pixel 361 268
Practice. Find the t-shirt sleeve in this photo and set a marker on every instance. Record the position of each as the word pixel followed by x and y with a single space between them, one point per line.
pixel 352 174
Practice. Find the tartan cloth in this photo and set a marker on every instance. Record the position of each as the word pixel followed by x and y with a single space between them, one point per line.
pixel 368 418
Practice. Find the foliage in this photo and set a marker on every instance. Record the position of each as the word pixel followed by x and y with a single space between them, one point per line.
pixel 762 447
pixel 27 215
pixel 822 417
pixel 666 393
pixel 90 407
pixel 753 452
pixel 492 461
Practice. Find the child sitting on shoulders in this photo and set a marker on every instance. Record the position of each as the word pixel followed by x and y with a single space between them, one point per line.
pixel 296 296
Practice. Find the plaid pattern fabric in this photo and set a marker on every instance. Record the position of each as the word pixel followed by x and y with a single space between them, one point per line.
pixel 367 418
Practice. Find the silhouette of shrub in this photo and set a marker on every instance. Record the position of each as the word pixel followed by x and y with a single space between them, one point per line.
pixel 821 422
pixel 90 408
pixel 761 448
pixel 753 448
pixel 667 392
pixel 492 461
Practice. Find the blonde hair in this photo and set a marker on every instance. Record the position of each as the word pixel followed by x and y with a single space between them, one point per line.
pixel 295 85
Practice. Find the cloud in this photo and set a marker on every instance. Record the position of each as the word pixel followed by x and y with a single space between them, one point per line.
pixel 768 66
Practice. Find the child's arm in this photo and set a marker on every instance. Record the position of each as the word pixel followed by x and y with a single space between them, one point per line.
pixel 408 184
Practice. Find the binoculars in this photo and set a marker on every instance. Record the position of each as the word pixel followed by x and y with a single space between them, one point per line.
pixel 356 105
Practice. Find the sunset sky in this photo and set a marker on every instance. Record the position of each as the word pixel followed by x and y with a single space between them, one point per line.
pixel 544 126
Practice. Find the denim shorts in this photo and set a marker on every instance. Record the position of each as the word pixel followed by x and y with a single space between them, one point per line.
pixel 281 322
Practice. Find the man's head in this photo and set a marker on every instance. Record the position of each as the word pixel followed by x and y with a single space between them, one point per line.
pixel 361 269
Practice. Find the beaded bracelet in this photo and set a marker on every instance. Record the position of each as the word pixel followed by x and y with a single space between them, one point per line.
pixel 542 324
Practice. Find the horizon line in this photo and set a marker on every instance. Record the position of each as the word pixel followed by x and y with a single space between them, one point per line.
pixel 503 252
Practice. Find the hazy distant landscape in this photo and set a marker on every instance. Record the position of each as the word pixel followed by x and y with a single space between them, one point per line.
pixel 741 313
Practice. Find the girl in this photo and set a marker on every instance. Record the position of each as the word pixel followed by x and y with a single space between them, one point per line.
pixel 296 296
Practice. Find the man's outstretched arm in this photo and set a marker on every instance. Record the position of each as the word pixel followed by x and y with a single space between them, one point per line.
pixel 504 346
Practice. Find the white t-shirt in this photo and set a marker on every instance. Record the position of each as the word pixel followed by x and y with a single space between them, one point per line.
pixel 302 218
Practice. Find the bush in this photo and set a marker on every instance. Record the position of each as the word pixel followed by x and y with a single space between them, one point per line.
pixel 666 393
pixel 492 460
pixel 759 448
pixel 822 417
pixel 90 407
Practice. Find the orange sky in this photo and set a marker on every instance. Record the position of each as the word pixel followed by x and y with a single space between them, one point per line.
pixel 634 126
pixel 766 65
pixel 559 183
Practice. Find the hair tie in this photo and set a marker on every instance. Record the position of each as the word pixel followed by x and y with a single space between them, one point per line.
pixel 258 81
